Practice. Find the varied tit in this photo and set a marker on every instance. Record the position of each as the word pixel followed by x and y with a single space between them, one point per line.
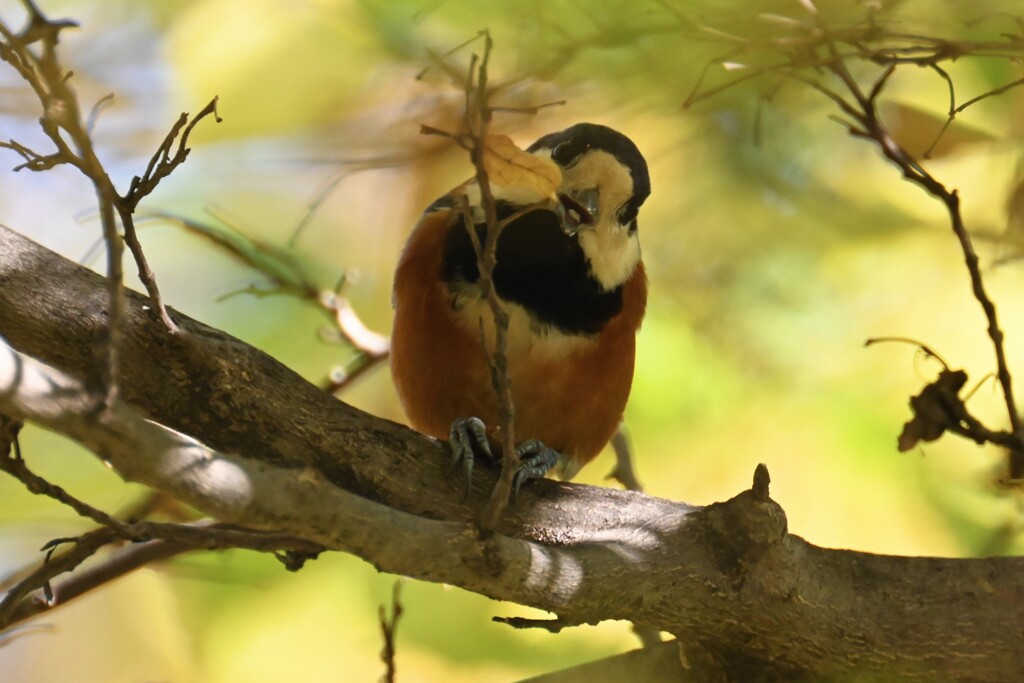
pixel 571 280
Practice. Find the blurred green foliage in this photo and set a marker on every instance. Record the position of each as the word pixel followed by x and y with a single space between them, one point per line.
pixel 775 243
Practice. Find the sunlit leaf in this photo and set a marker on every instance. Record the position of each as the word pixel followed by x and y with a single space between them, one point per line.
pixel 926 134
pixel 511 167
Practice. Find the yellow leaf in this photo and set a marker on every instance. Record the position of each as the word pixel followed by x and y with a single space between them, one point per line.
pixel 513 168
pixel 919 131
pixel 1015 215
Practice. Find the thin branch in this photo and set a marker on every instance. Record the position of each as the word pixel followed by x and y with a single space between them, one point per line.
pixel 372 349
pixel 531 111
pixel 18 469
pixel 111 345
pixel 944 75
pixel 33 160
pixel 43 72
pixel 314 205
pixel 921 346
pixel 34 594
pixel 162 164
pixel 146 274
pixel 84 547
pixel 880 82
pixel 164 540
pixel 288 276
pixel 56 594
pixel 61 114
pixel 16 603
pixel 875 130
pixel 97 109
pixel 477 119
pixel 389 629
pixel 991 93
pixel 817 49
pixel 352 329
pixel 148 505
pixel 9 446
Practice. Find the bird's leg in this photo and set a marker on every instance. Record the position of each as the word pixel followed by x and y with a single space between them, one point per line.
pixel 467 436
pixel 536 460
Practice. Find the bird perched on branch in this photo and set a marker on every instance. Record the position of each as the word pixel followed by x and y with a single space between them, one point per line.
pixel 570 277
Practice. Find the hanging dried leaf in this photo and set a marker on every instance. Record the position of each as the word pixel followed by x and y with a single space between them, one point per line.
pixel 937 408
pixel 511 167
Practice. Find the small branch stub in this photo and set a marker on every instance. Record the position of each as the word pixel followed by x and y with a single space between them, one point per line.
pixel 761 481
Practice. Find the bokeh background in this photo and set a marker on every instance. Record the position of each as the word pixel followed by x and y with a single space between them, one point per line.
pixel 775 243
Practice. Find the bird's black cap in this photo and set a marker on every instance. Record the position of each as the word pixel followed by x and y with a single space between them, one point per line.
pixel 570 143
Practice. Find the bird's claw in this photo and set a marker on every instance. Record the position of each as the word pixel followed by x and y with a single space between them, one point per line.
pixel 468 436
pixel 535 460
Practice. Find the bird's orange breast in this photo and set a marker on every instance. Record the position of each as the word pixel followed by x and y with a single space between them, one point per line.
pixel 569 393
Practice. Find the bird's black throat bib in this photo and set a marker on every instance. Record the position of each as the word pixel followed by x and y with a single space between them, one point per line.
pixel 540 268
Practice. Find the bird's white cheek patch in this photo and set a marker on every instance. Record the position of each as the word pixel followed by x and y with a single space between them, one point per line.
pixel 613 254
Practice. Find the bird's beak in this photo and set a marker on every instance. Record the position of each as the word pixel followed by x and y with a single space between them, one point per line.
pixel 578 210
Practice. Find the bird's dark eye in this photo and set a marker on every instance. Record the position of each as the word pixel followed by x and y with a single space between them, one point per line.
pixel 565 154
pixel 628 213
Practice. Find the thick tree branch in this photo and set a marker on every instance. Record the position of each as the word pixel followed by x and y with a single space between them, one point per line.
pixel 740 592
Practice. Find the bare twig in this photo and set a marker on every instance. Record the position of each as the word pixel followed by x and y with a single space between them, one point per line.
pixel 815 47
pixel 53 595
pixel 97 109
pixel 9 429
pixel 162 164
pixel 389 628
pixel 42 71
pixel 921 346
pixel 372 348
pixel 477 121
pixel 151 503
pixel 528 110
pixel 991 93
pixel 33 160
pixel 288 276
pixel 12 634
pixel 84 547
pixel 315 204
pixel 17 468
pixel 811 47
pixel 917 174
pixel 875 130
pixel 820 49
pixel 34 594
pixel 163 539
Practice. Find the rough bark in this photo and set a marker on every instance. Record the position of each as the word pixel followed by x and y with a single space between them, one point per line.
pixel 748 600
